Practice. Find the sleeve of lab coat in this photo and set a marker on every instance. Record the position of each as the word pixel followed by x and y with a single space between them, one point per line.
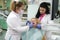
pixel 16 26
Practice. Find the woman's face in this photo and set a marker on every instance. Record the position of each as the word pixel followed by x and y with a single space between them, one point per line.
pixel 42 10
pixel 21 9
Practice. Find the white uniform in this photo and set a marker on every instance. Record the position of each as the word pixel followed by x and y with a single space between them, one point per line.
pixel 14 29
pixel 46 20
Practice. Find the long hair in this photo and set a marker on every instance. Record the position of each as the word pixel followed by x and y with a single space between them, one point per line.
pixel 43 5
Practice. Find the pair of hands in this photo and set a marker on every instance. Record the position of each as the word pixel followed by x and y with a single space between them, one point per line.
pixel 33 25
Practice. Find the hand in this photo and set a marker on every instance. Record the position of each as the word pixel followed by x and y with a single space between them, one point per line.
pixel 29 24
pixel 39 26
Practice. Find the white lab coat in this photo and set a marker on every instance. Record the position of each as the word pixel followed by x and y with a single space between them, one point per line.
pixel 14 29
pixel 46 20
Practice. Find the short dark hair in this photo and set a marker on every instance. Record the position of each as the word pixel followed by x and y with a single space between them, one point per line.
pixel 43 5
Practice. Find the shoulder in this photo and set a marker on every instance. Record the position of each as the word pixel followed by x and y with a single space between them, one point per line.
pixel 48 16
pixel 49 19
pixel 11 16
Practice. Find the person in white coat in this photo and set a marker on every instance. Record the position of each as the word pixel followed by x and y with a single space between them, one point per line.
pixel 15 29
pixel 44 16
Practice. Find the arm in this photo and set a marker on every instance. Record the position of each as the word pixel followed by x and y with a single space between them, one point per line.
pixel 15 25
pixel 29 24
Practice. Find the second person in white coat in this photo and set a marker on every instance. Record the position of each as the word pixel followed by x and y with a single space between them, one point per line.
pixel 44 16
pixel 15 29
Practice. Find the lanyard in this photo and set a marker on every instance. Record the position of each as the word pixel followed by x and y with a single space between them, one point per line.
pixel 41 17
